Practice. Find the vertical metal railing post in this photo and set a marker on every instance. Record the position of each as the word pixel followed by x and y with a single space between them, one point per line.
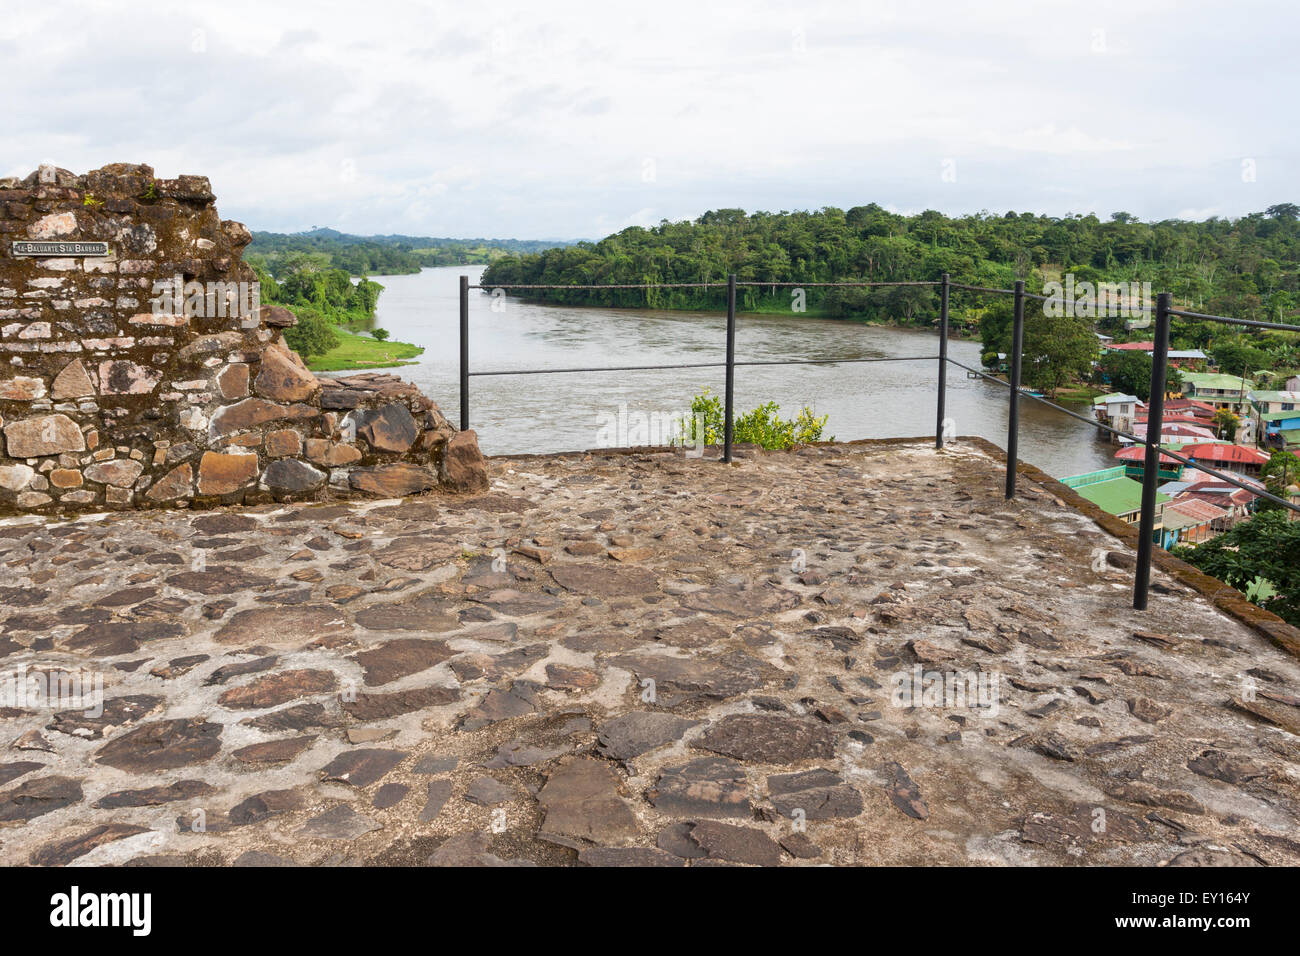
pixel 1013 413
pixel 943 361
pixel 1151 465
pixel 728 426
pixel 464 353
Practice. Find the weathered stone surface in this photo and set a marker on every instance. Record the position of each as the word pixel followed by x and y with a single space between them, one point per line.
pixel 283 377
pixel 340 823
pixel 232 381
pixel 439 792
pixel 321 451
pixel 904 793
pixel 222 474
pixel 393 481
pixel 706 787
pixel 640 731
pixel 37 797
pixel 21 388
pixel 895 520
pixel 397 659
pixel 282 442
pixel 121 377
pixel 582 803
pixel 516 603
pixel 1230 768
pixel 381 706
pixel 764 738
pixel 43 435
pixel 162 745
pixel 735 844
pixel 16 477
pixel 488 791
pixel 423 614
pixel 813 795
pixel 277 627
pixel 603 581
pixel 12 771
pixel 112 714
pixel 250 413
pixel 389 428
pixel 177 483
pixel 119 472
pixel 470 849
pixel 463 466
pixel 63 852
pixel 502 704
pixel 155 796
pixel 362 767
pixel 271 690
pixel 741 602
pixel 637 856
pixel 289 476
pixel 677 681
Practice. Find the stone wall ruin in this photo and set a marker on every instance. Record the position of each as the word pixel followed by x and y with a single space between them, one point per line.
pixel 109 402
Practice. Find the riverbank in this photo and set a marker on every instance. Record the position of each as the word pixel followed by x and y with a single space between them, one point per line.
pixel 363 353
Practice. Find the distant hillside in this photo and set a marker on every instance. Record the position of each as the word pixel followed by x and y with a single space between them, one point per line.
pixel 381 255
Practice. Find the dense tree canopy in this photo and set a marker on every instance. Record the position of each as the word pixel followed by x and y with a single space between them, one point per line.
pixel 1244 267
pixel 379 255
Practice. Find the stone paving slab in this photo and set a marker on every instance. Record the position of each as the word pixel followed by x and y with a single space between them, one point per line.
pixel 638 660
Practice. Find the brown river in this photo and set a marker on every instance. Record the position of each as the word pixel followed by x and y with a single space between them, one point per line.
pixel 572 411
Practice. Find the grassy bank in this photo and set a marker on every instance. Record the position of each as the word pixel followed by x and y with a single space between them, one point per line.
pixel 361 352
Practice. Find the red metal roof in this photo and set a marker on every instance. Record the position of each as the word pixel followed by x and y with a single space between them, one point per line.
pixel 1196 508
pixel 1131 346
pixel 1139 453
pixel 1230 454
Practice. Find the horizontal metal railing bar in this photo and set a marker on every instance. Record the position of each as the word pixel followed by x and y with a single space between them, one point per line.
pixel 1249 323
pixel 644 368
pixel 1227 478
pixel 722 286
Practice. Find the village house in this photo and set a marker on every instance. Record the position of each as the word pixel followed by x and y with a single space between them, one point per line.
pixel 1193 359
pixel 1218 390
pixel 1115 493
pixel 1191 521
pixel 1277 414
pixel 1117 411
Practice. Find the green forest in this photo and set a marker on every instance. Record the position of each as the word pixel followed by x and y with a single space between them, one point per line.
pixel 1244 267
pixel 383 255
pixel 334 314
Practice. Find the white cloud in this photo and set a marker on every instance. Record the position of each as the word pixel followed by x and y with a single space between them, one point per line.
pixel 506 118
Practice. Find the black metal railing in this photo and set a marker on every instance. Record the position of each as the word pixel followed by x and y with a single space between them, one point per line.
pixel 1164 311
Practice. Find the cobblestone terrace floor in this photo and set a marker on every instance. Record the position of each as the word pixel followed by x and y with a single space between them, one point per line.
pixel 646 680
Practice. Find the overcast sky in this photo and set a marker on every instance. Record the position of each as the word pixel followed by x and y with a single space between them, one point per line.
pixel 551 119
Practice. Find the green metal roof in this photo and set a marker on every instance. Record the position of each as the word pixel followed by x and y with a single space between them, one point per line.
pixel 1092 477
pixel 1279 416
pixel 1117 496
pixel 1227 383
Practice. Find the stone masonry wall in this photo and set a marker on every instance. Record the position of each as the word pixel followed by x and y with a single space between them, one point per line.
pixel 108 402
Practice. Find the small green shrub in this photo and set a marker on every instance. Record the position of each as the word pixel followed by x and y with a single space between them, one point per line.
pixel 313 335
pixel 761 426
pixel 380 335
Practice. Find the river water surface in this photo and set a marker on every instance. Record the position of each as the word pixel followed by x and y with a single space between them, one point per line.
pixel 567 412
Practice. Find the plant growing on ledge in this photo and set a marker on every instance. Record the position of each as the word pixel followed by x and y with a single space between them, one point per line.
pixel 91 201
pixel 761 426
